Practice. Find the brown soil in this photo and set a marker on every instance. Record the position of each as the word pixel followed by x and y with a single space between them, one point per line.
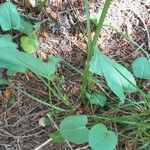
pixel 63 32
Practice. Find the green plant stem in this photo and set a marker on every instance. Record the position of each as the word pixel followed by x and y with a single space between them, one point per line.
pixel 86 73
pixel 38 100
pixel 57 89
pixel 91 45
pixel 50 99
pixel 121 120
pixel 59 95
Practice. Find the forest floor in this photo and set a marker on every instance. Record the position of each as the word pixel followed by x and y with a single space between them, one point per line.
pixel 63 32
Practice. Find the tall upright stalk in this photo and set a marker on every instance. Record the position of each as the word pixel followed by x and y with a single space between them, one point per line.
pixel 92 44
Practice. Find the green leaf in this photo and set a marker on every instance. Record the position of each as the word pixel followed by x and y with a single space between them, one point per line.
pixel 25 27
pixel 8 51
pixel 9 17
pixel 57 137
pixel 38 66
pixel 141 68
pixel 29 45
pixel 6 41
pixel 96 98
pixel 118 78
pixel 16 61
pixel 44 121
pixel 100 138
pixel 73 129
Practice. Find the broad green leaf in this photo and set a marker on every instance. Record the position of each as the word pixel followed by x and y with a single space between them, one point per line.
pixel 95 64
pixel 73 129
pixel 20 62
pixel 29 45
pixel 38 66
pixel 8 60
pixel 96 98
pixel 100 138
pixel 6 41
pixel 118 78
pixel 141 68
pixel 57 137
pixel 8 50
pixel 16 61
pixel 9 17
pixel 25 27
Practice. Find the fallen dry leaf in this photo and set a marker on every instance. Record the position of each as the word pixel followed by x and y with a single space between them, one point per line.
pixel 53 15
pixel 44 35
pixel 30 74
pixel 26 4
pixel 7 93
pixel 79 2
pixel 43 56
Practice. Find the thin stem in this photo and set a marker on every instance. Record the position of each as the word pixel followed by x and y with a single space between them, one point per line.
pixel 50 99
pixel 85 80
pixel 121 120
pixel 57 89
pixel 91 45
pixel 43 144
pixel 59 95
pixel 38 100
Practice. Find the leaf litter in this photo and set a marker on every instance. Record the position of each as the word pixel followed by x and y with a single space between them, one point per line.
pixel 63 33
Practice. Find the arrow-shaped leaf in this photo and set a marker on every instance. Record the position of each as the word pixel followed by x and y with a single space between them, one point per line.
pixel 118 78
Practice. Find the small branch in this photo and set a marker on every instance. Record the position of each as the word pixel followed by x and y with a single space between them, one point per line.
pixel 82 148
pixel 146 29
pixel 45 143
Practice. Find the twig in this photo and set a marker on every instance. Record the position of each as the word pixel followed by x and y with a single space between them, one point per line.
pixel 10 107
pixel 49 140
pixel 30 115
pixel 7 146
pixel 39 147
pixel 82 148
pixel 144 24
pixel 21 137
pixel 7 134
pixel 146 28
